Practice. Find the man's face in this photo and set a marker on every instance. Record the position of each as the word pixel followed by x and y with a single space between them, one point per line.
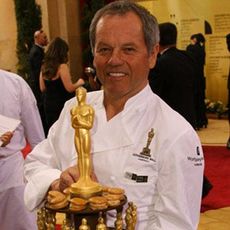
pixel 43 40
pixel 121 58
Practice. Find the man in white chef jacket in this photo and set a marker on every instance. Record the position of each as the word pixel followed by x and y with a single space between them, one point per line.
pixel 138 142
pixel 17 103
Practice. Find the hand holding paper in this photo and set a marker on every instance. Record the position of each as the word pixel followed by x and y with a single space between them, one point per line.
pixel 7 126
pixel 5 138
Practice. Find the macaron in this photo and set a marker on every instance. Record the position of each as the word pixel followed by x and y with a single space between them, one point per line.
pixel 77 204
pixel 98 203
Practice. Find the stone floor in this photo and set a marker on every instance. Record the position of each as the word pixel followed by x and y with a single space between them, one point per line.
pixel 216 133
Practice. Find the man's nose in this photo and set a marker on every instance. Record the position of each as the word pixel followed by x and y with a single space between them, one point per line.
pixel 116 58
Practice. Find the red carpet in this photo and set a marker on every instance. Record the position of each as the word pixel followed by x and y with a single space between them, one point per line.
pixel 26 150
pixel 217 169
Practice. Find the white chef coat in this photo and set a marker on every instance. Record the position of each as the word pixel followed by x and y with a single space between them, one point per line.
pixel 166 187
pixel 16 101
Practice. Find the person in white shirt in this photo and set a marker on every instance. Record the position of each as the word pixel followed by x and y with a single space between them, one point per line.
pixel 138 142
pixel 17 101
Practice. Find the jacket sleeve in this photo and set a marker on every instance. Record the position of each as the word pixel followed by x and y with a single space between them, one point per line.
pixel 180 184
pixel 30 116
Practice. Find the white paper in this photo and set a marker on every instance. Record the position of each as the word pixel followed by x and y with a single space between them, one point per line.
pixel 7 124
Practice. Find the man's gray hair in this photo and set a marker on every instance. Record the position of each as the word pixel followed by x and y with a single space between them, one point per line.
pixel 149 22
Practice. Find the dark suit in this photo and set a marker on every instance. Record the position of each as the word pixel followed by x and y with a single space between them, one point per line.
pixel 36 56
pixel 173 79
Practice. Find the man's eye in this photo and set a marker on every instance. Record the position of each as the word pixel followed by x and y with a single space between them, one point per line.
pixel 129 49
pixel 103 50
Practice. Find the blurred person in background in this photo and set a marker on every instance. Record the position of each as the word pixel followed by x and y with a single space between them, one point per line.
pixel 36 56
pixel 173 77
pixel 55 80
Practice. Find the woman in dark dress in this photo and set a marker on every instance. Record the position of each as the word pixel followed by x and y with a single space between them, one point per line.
pixel 55 80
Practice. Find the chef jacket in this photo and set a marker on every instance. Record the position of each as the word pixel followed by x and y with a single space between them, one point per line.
pixel 165 185
pixel 18 102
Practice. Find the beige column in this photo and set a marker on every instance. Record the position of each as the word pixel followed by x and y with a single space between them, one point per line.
pixel 62 19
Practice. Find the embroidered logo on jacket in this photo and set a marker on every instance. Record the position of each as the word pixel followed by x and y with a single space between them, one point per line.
pixel 146 150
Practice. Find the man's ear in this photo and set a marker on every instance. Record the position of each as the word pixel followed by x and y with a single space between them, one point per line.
pixel 153 56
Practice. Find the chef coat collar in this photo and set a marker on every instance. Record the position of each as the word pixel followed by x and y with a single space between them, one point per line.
pixel 101 134
pixel 139 100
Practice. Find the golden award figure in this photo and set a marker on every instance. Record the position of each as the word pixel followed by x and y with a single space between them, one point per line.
pixel 82 117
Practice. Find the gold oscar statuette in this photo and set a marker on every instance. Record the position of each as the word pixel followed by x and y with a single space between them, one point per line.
pixel 146 150
pixel 82 117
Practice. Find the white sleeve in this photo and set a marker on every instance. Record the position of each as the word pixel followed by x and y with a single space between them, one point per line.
pixel 30 116
pixel 179 184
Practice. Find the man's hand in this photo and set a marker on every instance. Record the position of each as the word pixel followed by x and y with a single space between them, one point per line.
pixel 68 177
pixel 5 138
